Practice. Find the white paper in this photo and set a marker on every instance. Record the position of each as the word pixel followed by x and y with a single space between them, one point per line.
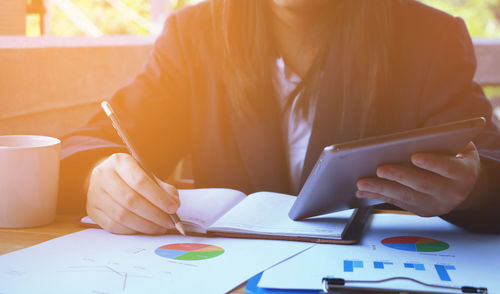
pixel 201 207
pixel 471 259
pixel 95 261
pixel 267 213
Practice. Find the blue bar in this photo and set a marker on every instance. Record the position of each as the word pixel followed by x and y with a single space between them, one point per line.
pixel 348 266
pixel 380 264
pixel 416 266
pixel 419 267
pixel 442 271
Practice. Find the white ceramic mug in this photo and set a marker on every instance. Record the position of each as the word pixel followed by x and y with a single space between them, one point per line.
pixel 29 176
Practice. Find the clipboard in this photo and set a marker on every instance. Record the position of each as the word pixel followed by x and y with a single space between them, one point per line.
pixel 331 284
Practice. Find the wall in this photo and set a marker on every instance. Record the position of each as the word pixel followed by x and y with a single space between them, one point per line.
pixel 50 86
pixel 12 17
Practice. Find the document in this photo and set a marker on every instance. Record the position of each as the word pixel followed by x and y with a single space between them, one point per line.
pixel 95 261
pixel 427 249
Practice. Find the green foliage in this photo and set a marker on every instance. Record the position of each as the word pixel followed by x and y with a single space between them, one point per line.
pixel 492 91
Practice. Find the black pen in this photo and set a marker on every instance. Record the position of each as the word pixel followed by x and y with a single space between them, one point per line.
pixel 333 285
pixel 114 119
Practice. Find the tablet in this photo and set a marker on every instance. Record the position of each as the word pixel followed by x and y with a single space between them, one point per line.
pixel 331 185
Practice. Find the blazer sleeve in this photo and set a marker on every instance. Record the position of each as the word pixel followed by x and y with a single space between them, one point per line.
pixel 154 111
pixel 449 94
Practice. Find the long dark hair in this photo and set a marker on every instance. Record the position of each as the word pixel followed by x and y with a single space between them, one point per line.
pixel 359 29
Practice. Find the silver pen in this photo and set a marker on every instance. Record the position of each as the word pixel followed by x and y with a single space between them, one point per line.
pixel 114 119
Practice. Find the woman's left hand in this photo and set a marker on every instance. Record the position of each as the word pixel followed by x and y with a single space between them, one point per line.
pixel 435 185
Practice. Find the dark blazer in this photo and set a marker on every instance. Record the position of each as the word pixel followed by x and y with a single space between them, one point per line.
pixel 178 106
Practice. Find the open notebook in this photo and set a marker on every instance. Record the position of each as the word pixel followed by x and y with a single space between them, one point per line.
pixel 261 215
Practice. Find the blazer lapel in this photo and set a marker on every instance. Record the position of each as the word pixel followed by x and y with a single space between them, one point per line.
pixel 335 121
pixel 261 148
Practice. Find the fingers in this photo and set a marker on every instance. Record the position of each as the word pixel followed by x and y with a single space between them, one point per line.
pixel 135 203
pixel 123 199
pixel 436 184
pixel 395 201
pixel 391 190
pixel 449 166
pixel 107 223
pixel 171 190
pixel 396 194
pixel 121 216
pixel 131 173
pixel 417 179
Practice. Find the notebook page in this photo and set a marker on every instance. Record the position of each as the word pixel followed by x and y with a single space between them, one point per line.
pixel 267 213
pixel 201 207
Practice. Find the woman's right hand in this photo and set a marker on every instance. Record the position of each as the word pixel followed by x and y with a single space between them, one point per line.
pixel 123 199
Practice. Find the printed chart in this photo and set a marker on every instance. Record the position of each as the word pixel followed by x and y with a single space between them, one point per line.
pixel 415 244
pixel 189 251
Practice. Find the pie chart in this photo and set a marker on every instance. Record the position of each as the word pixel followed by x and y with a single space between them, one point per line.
pixel 415 244
pixel 189 251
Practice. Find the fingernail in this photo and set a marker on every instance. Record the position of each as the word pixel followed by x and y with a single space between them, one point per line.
pixel 364 186
pixel 384 172
pixel 171 209
pixel 417 160
pixel 359 194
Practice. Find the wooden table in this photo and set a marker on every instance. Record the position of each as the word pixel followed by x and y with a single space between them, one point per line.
pixel 15 239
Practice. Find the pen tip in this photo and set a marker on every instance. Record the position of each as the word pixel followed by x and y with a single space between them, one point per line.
pixel 180 228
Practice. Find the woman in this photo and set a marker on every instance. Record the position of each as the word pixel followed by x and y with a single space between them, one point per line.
pixel 254 90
